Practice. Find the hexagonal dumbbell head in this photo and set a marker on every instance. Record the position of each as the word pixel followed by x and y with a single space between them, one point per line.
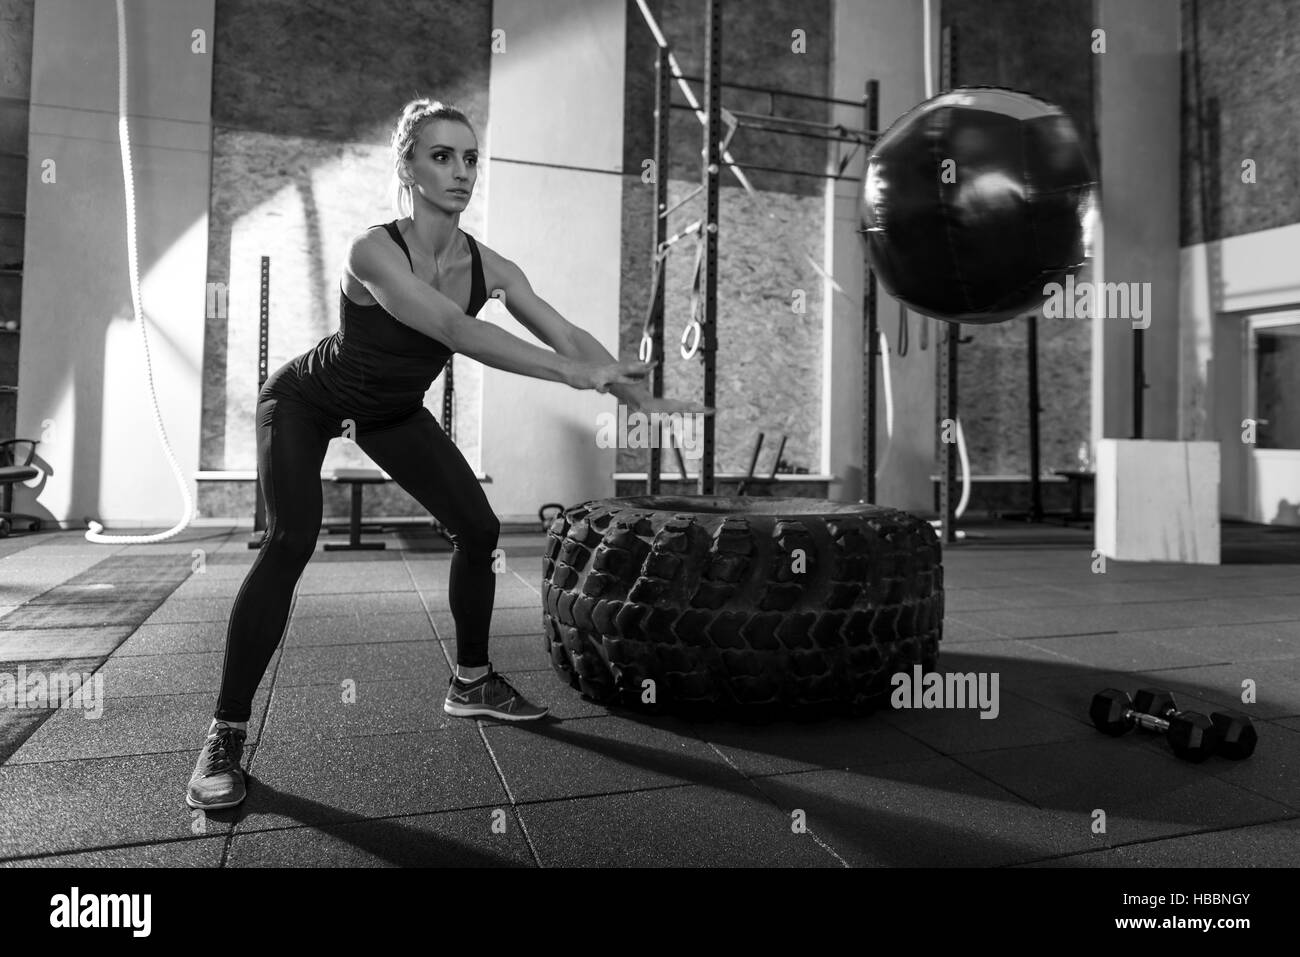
pixel 1154 701
pixel 1110 712
pixel 1192 736
pixel 1237 735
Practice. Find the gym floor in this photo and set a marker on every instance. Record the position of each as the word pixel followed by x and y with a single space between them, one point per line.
pixel 391 780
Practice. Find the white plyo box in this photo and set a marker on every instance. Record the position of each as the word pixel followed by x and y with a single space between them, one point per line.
pixel 1158 501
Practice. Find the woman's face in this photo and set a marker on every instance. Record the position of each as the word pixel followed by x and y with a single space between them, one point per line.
pixel 444 165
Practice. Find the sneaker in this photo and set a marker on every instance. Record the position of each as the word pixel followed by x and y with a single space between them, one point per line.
pixel 490 697
pixel 217 780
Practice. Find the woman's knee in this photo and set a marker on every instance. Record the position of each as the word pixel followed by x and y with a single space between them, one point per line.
pixel 479 537
pixel 292 545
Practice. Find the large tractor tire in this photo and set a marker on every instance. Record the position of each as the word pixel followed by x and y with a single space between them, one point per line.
pixel 752 608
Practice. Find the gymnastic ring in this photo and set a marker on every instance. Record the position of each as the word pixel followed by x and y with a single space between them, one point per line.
pixel 691 326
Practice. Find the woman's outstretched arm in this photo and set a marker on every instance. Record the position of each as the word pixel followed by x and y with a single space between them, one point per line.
pixel 542 319
pixel 382 269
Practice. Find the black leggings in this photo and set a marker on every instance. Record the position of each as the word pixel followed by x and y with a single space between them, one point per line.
pixel 292 436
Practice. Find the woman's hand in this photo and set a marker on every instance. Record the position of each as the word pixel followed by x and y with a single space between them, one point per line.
pixel 626 380
pixel 602 375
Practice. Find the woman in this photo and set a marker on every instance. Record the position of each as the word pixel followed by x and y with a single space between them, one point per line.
pixel 401 319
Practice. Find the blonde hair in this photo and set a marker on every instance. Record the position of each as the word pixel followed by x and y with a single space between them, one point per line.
pixel 414 116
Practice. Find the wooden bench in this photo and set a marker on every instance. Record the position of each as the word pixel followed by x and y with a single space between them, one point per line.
pixel 1076 481
pixel 358 479
pixel 354 526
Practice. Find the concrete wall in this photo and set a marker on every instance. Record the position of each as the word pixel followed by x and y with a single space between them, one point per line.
pixel 1223 283
pixel 880 39
pixel 556 99
pixel 15 92
pixel 769 359
pixel 1239 89
pixel 1138 115
pixel 81 365
pixel 1041 47
pixel 294 138
pixel 301 124
pixel 1240 237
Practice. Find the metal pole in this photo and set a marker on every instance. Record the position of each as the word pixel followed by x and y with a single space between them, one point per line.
pixel 263 350
pixel 662 161
pixel 792 94
pixel 753 464
pixel 947 357
pixel 871 115
pixel 449 398
pixel 776 460
pixel 948 420
pixel 1139 380
pixel 712 172
pixel 1035 484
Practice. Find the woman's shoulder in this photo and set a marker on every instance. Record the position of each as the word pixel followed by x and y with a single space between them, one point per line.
pixel 380 232
pixel 369 251
pixel 495 265
pixel 370 240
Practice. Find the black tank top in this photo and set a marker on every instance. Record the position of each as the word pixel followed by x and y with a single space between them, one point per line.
pixel 376 368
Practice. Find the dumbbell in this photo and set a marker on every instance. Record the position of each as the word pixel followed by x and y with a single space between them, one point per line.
pixel 1237 737
pixel 549 513
pixel 1191 736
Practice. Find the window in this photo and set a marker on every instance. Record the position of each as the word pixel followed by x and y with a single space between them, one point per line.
pixel 1277 386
